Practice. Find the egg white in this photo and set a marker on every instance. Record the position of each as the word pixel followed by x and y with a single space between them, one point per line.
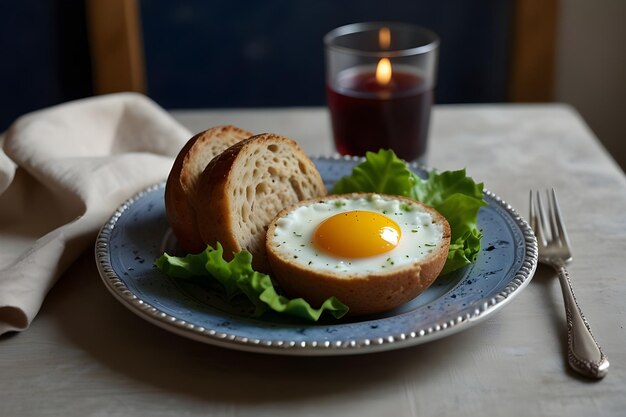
pixel 294 232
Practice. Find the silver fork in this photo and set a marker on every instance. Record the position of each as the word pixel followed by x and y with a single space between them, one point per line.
pixel 584 354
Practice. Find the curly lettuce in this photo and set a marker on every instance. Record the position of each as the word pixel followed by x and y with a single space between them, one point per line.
pixel 238 278
pixel 452 193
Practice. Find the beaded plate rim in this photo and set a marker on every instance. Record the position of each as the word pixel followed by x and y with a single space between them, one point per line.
pixel 309 348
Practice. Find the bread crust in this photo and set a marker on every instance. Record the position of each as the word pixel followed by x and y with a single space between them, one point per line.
pixel 369 294
pixel 180 188
pixel 243 188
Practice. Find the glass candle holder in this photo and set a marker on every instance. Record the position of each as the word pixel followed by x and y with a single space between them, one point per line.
pixel 380 79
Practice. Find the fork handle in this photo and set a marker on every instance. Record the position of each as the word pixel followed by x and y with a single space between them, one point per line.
pixel 583 353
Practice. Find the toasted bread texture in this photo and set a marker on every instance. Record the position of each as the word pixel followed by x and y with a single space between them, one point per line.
pixel 180 189
pixel 243 188
pixel 363 293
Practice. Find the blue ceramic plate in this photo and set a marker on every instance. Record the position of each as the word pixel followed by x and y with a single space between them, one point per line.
pixel 138 233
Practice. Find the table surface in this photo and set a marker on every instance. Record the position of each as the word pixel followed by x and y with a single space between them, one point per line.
pixel 87 355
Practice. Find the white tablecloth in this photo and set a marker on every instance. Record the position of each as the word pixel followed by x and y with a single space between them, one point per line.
pixel 87 355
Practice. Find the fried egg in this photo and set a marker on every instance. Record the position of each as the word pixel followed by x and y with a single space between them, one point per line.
pixel 356 235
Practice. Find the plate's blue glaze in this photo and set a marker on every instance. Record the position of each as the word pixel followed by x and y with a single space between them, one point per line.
pixel 138 233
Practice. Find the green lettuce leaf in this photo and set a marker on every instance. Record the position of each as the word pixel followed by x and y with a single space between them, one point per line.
pixel 383 172
pixel 458 198
pixel 238 278
pixel 452 193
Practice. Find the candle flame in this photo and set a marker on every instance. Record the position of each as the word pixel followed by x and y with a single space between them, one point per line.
pixel 384 38
pixel 383 71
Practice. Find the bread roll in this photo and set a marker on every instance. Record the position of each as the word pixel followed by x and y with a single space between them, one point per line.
pixel 313 274
pixel 180 189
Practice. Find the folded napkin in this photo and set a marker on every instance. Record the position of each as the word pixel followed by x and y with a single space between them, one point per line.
pixel 63 172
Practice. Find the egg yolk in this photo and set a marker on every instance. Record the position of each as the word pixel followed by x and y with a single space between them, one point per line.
pixel 357 234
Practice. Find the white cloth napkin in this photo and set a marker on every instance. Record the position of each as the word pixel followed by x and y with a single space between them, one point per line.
pixel 63 172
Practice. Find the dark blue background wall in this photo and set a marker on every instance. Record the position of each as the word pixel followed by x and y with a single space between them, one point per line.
pixel 241 52
pixel 44 57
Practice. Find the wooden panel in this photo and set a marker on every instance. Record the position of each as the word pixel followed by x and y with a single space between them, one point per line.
pixel 116 46
pixel 533 51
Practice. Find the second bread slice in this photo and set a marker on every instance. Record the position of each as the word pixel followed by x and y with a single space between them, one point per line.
pixel 243 188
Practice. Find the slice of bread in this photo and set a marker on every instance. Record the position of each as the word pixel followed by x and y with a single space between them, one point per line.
pixel 180 189
pixel 243 188
pixel 363 292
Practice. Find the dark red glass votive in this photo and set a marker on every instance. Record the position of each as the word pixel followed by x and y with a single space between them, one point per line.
pixel 380 79
pixel 367 116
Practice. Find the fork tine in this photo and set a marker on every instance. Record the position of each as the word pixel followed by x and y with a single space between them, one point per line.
pixel 543 227
pixel 554 229
pixel 559 227
pixel 534 220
